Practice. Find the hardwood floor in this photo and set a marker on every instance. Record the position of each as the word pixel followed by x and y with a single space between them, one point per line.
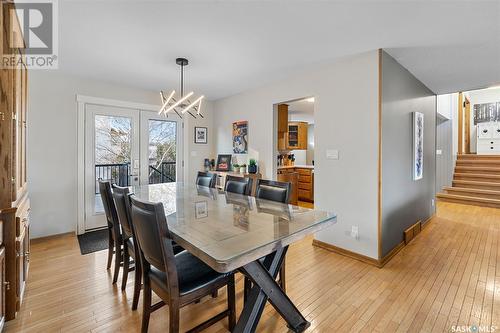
pixel 448 275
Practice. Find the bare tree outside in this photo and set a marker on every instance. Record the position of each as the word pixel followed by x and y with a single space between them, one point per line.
pixel 112 139
pixel 162 151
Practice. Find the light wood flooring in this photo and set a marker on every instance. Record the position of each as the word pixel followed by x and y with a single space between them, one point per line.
pixel 449 275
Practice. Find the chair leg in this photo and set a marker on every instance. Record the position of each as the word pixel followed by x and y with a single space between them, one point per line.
pixel 146 306
pixel 173 318
pixel 282 277
pixel 231 304
pixel 137 284
pixel 126 265
pixel 118 259
pixel 110 248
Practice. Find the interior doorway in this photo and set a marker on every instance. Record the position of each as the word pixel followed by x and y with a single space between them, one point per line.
pixel 294 131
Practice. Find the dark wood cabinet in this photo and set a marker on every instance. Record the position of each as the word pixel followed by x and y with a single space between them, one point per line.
pixel 14 201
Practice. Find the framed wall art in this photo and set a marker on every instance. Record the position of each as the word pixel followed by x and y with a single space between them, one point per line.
pixel 200 134
pixel 240 137
pixel 418 145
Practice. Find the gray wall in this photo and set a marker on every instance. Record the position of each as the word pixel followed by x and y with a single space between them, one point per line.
pixel 445 162
pixel 404 201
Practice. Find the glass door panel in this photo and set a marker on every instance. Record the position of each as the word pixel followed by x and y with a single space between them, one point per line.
pixel 162 150
pixel 112 149
pixel 111 153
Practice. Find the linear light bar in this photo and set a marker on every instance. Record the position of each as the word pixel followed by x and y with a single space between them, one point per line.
pixel 178 102
pixel 199 108
pixel 166 101
pixel 192 104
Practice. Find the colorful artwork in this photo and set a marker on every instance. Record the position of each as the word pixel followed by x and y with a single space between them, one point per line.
pixel 240 137
pixel 223 162
pixel 418 145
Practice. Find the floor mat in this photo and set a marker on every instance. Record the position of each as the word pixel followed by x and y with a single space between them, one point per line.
pixel 93 241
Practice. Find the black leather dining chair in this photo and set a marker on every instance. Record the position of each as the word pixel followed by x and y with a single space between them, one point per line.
pixel 130 249
pixel 206 179
pixel 179 279
pixel 240 185
pixel 273 191
pixel 114 232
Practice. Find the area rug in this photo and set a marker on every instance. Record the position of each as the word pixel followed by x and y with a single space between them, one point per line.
pixel 93 241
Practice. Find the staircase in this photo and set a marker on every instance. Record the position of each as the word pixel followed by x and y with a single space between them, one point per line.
pixel 476 181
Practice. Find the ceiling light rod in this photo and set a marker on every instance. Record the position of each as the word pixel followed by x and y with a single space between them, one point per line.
pixel 182 104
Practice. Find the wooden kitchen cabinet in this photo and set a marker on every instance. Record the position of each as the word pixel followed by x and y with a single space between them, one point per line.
pixel 297 135
pixel 302 182
pixel 282 126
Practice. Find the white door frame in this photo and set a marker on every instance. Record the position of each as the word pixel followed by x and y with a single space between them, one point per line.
pixel 81 101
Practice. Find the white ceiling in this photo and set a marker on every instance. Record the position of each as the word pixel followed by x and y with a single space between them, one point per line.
pixel 238 45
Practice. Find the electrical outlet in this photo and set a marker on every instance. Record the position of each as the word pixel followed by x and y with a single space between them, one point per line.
pixel 355 232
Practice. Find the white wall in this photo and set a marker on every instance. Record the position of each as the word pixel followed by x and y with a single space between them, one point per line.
pixel 52 144
pixel 479 97
pixel 195 154
pixel 447 107
pixel 346 118
pixel 310 145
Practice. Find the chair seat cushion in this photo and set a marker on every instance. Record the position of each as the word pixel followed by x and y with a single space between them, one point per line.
pixel 193 274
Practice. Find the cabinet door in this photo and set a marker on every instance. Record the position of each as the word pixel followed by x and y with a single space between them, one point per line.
pixel 293 136
pixel 20 268
pixel 2 287
pixel 27 249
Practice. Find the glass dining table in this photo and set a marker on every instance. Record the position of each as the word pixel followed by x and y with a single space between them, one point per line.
pixel 232 232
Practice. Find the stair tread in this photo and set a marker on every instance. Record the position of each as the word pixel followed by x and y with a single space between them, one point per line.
pixel 475 182
pixel 473 156
pixel 467 189
pixel 468 198
pixel 481 175
pixel 478 168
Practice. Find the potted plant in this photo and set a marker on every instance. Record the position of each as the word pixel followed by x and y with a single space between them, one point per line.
pixel 236 167
pixel 252 166
pixel 243 168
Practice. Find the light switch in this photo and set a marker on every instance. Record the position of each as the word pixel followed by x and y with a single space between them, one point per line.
pixel 439 152
pixel 136 164
pixel 332 154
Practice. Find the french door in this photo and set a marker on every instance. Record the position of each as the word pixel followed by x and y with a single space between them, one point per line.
pixel 127 147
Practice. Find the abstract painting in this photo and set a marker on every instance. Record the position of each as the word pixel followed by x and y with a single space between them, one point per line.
pixel 240 137
pixel 418 145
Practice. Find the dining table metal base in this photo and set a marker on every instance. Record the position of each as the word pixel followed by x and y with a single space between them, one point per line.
pixel 265 288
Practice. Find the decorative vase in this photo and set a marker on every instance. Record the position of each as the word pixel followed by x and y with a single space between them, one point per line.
pixel 242 169
pixel 252 168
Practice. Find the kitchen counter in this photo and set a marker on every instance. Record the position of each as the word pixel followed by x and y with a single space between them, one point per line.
pixel 296 166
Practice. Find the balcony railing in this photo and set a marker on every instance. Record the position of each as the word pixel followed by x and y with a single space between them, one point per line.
pixel 116 173
pixel 164 173
pixel 119 173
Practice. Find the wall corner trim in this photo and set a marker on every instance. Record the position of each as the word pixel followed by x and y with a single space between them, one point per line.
pixel 379 165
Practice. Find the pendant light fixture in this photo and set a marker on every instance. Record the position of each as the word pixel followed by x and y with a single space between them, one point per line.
pixel 180 104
